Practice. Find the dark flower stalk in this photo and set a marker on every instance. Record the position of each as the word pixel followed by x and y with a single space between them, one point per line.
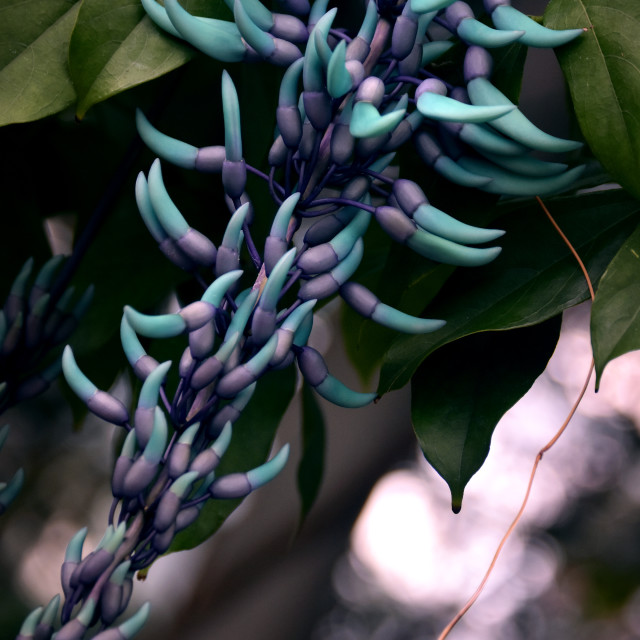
pixel 364 95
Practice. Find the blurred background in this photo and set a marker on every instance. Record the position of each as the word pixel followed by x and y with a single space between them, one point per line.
pixel 381 556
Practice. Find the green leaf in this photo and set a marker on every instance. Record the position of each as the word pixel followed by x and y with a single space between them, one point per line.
pixel 34 75
pixel 602 68
pixel 533 279
pixel 459 394
pixel 310 469
pixel 615 315
pixel 115 46
pixel 252 438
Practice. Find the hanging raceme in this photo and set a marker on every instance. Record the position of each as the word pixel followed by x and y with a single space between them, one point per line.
pixel 348 102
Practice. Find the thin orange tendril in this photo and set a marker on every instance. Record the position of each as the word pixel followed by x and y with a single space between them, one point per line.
pixel 542 451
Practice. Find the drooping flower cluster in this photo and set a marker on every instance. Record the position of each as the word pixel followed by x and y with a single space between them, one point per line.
pixel 36 320
pixel 347 102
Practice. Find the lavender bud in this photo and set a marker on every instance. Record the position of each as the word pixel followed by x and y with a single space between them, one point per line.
pixel 404 35
pixel 210 159
pixel 317 106
pixel 410 66
pixel 162 541
pixel 477 64
pixel 234 177
pixel 234 485
pixel 409 196
pixel 395 223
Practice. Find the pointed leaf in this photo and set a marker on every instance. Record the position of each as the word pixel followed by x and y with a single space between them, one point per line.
pixel 459 394
pixel 602 68
pixel 615 316
pixel 34 75
pixel 115 46
pixel 533 279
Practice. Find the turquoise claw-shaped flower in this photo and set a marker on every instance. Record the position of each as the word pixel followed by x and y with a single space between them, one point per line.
pixel 424 6
pixel 276 50
pixel 231 114
pixel 276 244
pixel 339 81
pixel 440 107
pixel 219 40
pixel 475 32
pixel 535 35
pixel 315 372
pixel 328 283
pixel 507 183
pixel 101 403
pixel 175 151
pixel 368 305
pixel 129 628
pixel 141 362
pixel 515 124
pixel 366 121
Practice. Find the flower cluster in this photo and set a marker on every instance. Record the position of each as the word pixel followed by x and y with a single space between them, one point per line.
pixel 347 102
pixel 36 319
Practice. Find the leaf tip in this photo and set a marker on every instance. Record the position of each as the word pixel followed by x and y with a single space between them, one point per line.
pixel 456 499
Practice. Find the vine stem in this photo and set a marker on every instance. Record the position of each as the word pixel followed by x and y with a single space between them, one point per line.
pixel 540 453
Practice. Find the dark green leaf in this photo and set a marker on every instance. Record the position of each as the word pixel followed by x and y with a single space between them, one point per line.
pixel 615 316
pixel 311 465
pixel 533 279
pixel 252 438
pixel 459 394
pixel 34 75
pixel 115 46
pixel 602 68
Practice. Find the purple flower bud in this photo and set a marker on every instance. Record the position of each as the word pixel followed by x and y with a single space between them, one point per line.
pixel 171 250
pixel 409 196
pixel 201 341
pixel 395 223
pixel 410 66
pixel 162 541
pixel 210 159
pixel 457 12
pixel 289 28
pixel 234 485
pixel 289 125
pixel 360 298
pixel 307 142
pixel 342 143
pixel 197 247
pixel 477 64
pixel 234 177
pixel 317 106
pixel 187 517
pixel 278 153
pixel 403 37
pixel 371 90
pixel 312 365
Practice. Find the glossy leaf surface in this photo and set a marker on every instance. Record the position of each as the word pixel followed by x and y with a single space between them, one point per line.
pixel 615 315
pixel 459 394
pixel 34 76
pixel 115 46
pixel 602 68
pixel 533 279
